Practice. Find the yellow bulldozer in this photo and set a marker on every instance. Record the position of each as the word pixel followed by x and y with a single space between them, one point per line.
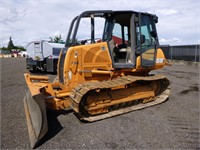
pixel 100 77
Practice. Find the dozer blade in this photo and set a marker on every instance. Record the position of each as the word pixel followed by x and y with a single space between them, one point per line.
pixel 36 117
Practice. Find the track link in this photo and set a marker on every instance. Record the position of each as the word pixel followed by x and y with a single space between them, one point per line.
pixel 79 93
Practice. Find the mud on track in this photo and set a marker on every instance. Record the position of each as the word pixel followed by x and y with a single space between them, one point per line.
pixel 173 124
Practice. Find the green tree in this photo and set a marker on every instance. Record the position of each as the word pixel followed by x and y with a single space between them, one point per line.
pixel 57 39
pixel 3 48
pixel 20 48
pixel 10 45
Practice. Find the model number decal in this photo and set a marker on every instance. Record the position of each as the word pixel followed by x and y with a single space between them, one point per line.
pixel 159 60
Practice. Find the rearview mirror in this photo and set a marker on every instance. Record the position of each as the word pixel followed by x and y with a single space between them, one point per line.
pixel 153 34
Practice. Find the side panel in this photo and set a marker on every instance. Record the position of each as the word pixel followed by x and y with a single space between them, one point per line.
pixel 96 56
pixel 81 60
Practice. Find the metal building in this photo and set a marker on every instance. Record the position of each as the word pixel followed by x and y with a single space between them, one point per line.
pixel 182 52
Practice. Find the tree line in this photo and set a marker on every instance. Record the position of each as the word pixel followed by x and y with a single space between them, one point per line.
pixel 11 46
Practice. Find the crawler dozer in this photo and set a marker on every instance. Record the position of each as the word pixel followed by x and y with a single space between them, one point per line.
pixel 100 77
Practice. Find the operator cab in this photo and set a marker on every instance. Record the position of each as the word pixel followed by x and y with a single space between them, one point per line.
pixel 129 34
pixel 133 34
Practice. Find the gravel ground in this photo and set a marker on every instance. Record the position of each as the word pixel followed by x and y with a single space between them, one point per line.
pixel 170 125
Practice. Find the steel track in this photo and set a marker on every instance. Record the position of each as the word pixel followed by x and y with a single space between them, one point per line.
pixel 78 93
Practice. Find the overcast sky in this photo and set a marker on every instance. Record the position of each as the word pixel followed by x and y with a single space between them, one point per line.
pixel 30 20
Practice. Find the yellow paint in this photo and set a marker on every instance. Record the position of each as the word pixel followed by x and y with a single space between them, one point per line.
pixel 86 63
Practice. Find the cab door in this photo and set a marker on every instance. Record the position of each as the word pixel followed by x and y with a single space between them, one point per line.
pixel 146 43
pixel 123 51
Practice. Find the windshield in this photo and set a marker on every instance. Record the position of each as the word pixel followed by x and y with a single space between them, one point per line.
pixel 83 35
